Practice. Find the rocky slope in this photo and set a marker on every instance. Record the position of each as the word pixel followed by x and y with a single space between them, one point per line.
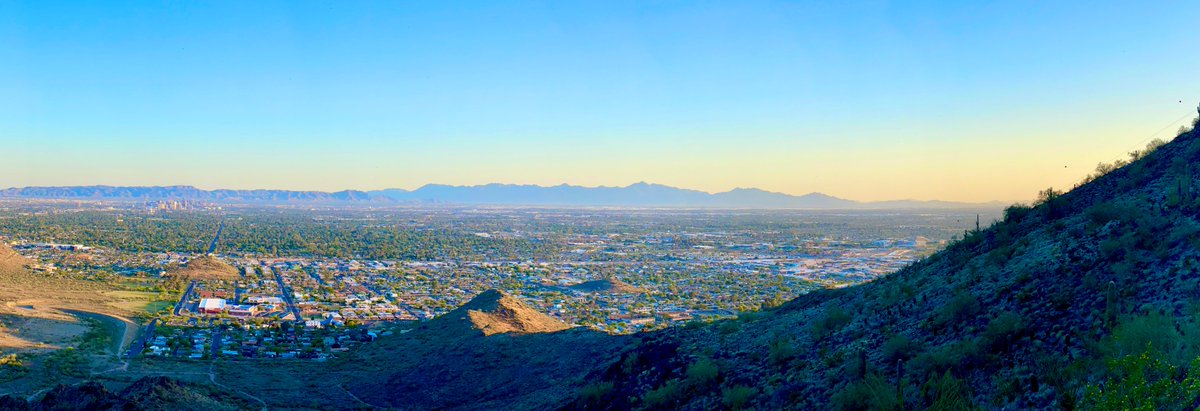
pixel 491 353
pixel 492 312
pixel 146 394
pixel 1084 300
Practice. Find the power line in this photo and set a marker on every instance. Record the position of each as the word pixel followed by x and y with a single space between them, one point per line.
pixel 1142 143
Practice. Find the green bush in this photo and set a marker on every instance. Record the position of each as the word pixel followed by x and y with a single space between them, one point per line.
pixel 899 348
pixel 664 396
pixel 737 397
pixel 1157 331
pixel 947 393
pixel 1003 330
pixel 729 327
pixel 960 307
pixel 595 392
pixel 781 351
pixel 872 393
pixel 1052 203
pixel 1016 212
pixel 1145 381
pixel 701 373
pixel 835 318
pixel 957 355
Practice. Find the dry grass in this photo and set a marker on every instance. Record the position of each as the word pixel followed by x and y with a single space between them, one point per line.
pixel 23 333
pixel 206 268
pixel 132 301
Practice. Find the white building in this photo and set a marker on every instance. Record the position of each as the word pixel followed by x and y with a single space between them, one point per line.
pixel 212 305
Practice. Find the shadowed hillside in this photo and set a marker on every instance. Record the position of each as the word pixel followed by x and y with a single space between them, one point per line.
pixel 1087 299
pixel 491 353
pixel 146 394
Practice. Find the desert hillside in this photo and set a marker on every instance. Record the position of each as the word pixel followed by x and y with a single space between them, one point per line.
pixel 492 312
pixel 10 260
pixel 205 268
pixel 1085 299
pixel 492 353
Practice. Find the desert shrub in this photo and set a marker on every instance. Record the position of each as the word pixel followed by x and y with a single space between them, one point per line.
pixel 1014 213
pixel 835 318
pixel 11 368
pixel 957 355
pixel 1052 203
pixel 963 305
pixel 899 348
pixel 67 362
pixel 1104 168
pixel 781 351
pixel 630 363
pixel 872 393
pixel 664 396
pixel 728 327
pixel 11 361
pixel 593 393
pixel 946 393
pixel 1101 214
pixel 98 338
pixel 1145 381
pixel 750 316
pixel 1157 331
pixel 701 373
pixel 1153 145
pixel 1000 255
pixel 1003 330
pixel 737 397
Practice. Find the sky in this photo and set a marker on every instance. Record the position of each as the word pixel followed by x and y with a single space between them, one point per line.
pixel 965 101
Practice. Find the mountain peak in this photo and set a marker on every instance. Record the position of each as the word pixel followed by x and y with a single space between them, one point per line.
pixel 494 312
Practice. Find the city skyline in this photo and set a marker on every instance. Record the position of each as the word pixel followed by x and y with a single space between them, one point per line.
pixel 868 101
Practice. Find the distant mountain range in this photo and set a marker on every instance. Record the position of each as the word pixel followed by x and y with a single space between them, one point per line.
pixel 634 195
pixel 645 195
pixel 185 193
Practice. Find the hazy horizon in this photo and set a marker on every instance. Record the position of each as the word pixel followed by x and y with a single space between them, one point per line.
pixel 870 101
pixel 415 188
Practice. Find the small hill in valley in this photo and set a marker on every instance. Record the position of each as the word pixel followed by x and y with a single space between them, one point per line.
pixel 493 312
pixel 608 285
pixel 494 352
pixel 205 268
pixel 10 260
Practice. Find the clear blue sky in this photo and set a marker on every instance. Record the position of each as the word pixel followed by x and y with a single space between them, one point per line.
pixel 870 100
